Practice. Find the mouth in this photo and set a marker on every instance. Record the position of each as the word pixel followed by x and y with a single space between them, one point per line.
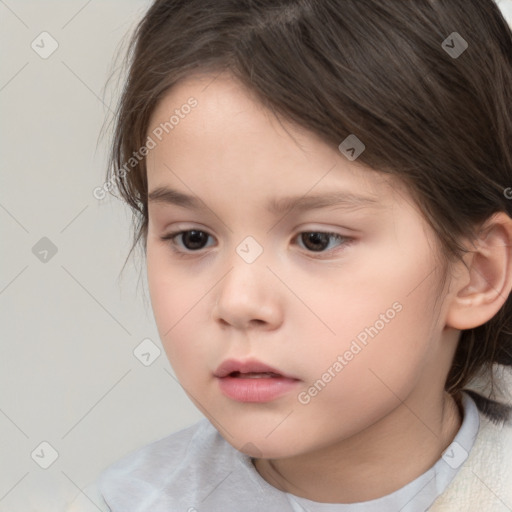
pixel 253 381
pixel 254 375
pixel 249 369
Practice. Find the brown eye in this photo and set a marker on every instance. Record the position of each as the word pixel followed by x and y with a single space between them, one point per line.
pixel 315 241
pixel 191 240
pixel 194 239
pixel 318 241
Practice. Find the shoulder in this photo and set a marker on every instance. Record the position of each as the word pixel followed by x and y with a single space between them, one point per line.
pixel 192 469
pixel 125 484
pixel 158 464
pixel 171 472
pixel 162 455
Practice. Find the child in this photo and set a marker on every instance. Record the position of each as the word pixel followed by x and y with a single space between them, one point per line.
pixel 323 189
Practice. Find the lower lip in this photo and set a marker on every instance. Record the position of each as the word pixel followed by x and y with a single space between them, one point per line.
pixel 262 389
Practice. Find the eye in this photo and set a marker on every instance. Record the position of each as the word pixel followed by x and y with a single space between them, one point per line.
pixel 191 240
pixel 319 241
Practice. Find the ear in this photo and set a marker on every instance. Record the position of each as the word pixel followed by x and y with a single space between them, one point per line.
pixel 480 288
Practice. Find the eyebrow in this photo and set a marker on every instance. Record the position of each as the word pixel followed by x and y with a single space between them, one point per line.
pixel 277 206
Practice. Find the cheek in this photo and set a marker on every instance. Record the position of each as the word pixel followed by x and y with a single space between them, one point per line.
pixel 383 323
pixel 180 306
pixel 170 295
pixel 177 327
pixel 369 381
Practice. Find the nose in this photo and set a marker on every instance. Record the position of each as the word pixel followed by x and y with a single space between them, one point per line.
pixel 247 298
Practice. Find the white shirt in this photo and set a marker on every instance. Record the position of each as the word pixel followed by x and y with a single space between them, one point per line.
pixel 196 470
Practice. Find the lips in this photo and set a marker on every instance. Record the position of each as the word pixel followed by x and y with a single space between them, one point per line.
pixel 249 369
pixel 253 381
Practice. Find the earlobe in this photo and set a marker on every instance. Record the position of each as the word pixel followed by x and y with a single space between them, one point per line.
pixel 483 286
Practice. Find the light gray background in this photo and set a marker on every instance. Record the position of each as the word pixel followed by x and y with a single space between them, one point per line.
pixel 70 324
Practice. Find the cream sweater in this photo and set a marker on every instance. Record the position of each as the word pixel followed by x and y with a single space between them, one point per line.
pixel 484 481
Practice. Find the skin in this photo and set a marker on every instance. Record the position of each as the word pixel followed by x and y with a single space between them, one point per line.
pixel 296 309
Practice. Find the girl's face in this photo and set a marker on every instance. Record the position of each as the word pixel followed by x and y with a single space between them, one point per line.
pixel 338 292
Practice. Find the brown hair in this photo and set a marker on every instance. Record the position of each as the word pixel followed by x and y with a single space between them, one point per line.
pixel 439 121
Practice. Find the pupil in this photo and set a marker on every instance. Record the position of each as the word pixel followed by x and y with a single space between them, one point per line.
pixel 315 241
pixel 194 239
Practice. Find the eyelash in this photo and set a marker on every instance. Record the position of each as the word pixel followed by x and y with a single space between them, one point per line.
pixel 170 238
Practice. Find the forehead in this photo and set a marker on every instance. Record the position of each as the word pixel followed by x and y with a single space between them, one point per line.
pixel 228 137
